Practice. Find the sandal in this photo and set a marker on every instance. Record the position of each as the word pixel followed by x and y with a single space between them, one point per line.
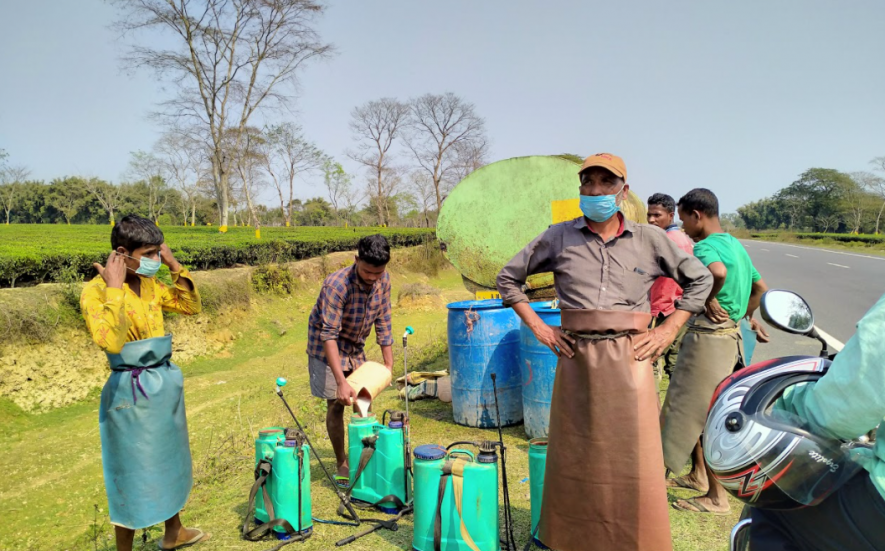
pixel 342 482
pixel 683 483
pixel 685 504
pixel 194 540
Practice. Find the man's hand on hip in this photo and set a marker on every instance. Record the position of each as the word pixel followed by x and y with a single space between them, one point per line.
pixel 652 344
pixel 554 339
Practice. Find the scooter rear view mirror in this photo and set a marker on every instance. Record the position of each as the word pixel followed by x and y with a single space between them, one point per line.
pixel 787 311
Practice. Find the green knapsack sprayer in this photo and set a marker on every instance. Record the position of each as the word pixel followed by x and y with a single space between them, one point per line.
pixel 456 496
pixel 380 456
pixel 281 492
pixel 280 487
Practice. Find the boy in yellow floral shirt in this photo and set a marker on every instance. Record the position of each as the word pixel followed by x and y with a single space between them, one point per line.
pixel 144 442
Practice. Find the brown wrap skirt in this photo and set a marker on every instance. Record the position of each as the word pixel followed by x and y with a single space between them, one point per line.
pixel 604 480
pixel 710 352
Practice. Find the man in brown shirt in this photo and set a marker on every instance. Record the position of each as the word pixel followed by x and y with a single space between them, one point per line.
pixel 604 409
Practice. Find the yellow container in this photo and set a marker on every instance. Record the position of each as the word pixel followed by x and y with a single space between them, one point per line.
pixel 368 381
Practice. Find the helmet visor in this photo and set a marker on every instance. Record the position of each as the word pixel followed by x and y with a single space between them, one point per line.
pixel 804 466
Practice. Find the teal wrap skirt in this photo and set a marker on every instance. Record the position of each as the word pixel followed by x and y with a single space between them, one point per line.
pixel 145 450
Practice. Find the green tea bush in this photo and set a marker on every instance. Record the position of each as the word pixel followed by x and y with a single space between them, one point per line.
pixel 273 278
pixel 35 253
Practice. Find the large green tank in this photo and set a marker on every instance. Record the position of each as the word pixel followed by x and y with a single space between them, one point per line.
pixel 497 210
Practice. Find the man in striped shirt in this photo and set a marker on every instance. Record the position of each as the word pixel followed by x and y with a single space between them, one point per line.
pixel 352 301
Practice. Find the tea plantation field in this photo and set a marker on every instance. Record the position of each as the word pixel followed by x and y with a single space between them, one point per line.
pixel 32 253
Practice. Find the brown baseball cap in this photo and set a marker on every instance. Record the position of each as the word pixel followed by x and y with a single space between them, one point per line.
pixel 612 163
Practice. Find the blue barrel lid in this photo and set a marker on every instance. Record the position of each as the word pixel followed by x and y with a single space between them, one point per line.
pixel 476 304
pixel 542 305
pixel 395 424
pixel 430 452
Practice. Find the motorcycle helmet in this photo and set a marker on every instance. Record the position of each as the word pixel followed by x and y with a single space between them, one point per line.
pixel 764 455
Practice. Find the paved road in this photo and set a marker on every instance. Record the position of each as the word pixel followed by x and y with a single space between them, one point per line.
pixel 839 286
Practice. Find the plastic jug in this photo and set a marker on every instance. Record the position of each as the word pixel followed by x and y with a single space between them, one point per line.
pixel 368 382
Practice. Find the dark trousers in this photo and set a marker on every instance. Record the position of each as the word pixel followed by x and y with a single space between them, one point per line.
pixel 852 519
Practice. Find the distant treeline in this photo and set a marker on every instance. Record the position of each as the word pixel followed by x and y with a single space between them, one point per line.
pixel 822 200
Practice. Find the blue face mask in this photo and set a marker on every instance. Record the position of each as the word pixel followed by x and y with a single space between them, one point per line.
pixel 600 208
pixel 147 267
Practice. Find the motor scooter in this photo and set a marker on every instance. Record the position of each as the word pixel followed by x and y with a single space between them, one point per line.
pixel 788 312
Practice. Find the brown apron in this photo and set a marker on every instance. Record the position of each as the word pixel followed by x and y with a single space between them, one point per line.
pixel 604 480
pixel 709 354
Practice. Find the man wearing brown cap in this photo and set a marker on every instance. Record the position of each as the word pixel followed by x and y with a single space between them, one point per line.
pixel 602 485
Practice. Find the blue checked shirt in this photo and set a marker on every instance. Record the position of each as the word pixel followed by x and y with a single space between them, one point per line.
pixel 346 312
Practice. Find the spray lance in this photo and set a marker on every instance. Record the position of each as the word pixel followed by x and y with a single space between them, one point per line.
pixel 508 519
pixel 281 382
pixel 407 435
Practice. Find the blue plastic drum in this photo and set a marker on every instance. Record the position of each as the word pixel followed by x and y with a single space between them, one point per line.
pixel 538 366
pixel 483 339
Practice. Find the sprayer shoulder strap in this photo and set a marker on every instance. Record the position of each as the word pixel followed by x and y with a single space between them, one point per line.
pixel 262 473
pixel 365 457
pixel 453 469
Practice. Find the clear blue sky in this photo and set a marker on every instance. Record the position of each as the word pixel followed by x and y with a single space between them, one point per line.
pixel 740 97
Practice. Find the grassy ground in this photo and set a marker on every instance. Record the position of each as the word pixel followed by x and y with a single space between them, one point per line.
pixel 52 493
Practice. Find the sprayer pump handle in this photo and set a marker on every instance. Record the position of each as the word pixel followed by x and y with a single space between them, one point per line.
pixel 281 382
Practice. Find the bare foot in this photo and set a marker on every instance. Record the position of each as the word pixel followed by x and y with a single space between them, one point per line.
pixel 688 482
pixel 702 504
pixel 186 536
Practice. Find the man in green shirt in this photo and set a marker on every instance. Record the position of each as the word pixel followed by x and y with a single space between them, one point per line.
pixel 711 349
pixel 846 402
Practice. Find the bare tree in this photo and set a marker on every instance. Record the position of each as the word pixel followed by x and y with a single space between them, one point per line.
pixel 11 178
pixel 828 220
pixel 425 193
pixel 857 199
pixel 182 158
pixel 287 155
pixel 338 184
pixel 375 126
pixel 105 193
pixel 383 199
pixel 469 156
pixel 248 160
pixel 441 126
pixel 876 185
pixel 350 200
pixel 228 59
pixel 148 168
